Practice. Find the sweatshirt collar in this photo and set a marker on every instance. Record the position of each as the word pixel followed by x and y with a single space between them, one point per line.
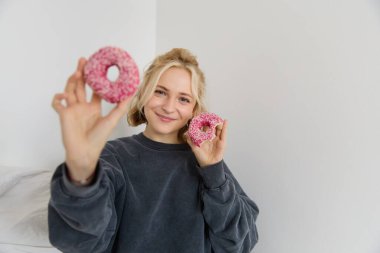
pixel 160 145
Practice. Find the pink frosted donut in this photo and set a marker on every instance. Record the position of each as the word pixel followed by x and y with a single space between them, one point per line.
pixel 95 73
pixel 196 128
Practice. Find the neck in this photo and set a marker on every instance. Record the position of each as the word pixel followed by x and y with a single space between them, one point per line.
pixel 171 138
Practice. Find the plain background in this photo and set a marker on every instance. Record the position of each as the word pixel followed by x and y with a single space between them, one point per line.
pixel 298 80
pixel 40 44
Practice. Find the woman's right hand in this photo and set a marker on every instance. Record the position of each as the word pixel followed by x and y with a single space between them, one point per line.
pixel 84 130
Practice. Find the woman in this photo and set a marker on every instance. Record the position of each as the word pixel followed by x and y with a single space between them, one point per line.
pixel 151 192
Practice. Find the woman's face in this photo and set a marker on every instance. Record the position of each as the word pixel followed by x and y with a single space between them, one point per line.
pixel 170 107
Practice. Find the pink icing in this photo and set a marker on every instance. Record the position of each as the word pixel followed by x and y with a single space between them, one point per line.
pixel 95 73
pixel 196 133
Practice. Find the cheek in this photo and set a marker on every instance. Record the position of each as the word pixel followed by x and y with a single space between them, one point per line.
pixel 153 102
pixel 187 112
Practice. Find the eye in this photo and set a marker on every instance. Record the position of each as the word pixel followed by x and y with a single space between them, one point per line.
pixel 184 100
pixel 160 92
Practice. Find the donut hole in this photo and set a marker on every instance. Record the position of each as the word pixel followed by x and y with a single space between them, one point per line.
pixel 205 127
pixel 113 73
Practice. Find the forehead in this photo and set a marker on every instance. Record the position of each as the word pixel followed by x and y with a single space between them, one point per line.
pixel 176 79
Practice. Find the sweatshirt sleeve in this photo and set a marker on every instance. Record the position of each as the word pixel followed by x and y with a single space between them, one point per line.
pixel 84 218
pixel 229 213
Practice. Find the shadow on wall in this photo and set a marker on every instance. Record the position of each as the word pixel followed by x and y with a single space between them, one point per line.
pixel 375 6
pixel 3 6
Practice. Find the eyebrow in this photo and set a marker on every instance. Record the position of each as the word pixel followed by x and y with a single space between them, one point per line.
pixel 182 93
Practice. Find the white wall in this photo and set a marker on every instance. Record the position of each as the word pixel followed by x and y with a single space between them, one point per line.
pixel 40 43
pixel 300 83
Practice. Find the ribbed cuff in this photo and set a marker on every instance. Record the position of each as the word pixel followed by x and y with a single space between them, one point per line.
pixel 81 191
pixel 213 175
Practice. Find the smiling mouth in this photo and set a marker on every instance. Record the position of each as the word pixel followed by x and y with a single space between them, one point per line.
pixel 164 118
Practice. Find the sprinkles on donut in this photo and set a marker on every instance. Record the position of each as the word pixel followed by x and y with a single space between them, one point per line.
pixel 96 69
pixel 202 127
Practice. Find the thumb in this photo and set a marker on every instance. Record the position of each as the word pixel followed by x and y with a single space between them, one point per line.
pixel 118 111
pixel 189 141
pixel 187 138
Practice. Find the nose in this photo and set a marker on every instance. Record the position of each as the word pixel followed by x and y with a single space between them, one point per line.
pixel 169 105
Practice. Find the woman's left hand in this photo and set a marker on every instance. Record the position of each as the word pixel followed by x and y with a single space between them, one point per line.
pixel 210 152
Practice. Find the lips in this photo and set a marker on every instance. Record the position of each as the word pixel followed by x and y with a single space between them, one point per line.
pixel 164 118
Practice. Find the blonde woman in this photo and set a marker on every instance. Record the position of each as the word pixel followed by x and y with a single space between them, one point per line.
pixel 150 192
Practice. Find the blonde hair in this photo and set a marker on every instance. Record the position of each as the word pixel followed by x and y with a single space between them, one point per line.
pixel 177 57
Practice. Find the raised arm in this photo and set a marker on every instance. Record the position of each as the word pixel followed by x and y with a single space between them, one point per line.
pixel 229 213
pixel 84 218
pixel 82 212
pixel 84 130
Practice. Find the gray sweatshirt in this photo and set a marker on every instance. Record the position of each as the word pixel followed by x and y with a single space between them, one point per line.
pixel 151 197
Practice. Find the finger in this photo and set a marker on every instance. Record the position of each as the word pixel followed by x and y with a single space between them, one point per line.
pixel 189 141
pixel 122 106
pixel 118 111
pixel 80 91
pixel 56 103
pixel 72 83
pixel 70 88
pixel 218 130
pixel 81 64
pixel 95 99
pixel 187 138
pixel 223 134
